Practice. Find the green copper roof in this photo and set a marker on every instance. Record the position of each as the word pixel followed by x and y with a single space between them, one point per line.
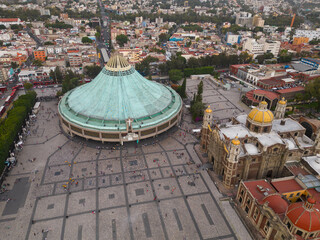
pixel 119 92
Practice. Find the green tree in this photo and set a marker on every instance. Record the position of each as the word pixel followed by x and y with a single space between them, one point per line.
pixel 58 74
pixel 199 92
pixel 144 67
pixel 280 29
pixel 258 29
pixel 2 26
pixel 197 106
pixel 193 62
pixel 52 75
pixel 37 62
pixel 197 110
pixel 16 26
pixel 268 55
pixel 163 37
pixel 121 39
pixel 12 125
pixel 69 84
pixel 299 97
pixel 314 42
pixel 92 71
pixel 86 40
pixel 70 81
pixel 192 27
pixel 14 65
pixel 313 89
pixel 244 57
pixel 175 75
pixel 97 35
pixel 260 59
pixel 182 89
pixel 28 86
pixel 48 43
pixel 57 24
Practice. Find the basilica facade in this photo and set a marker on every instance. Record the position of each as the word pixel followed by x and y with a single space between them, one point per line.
pixel 256 145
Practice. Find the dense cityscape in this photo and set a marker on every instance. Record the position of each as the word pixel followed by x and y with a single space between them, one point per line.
pixel 175 119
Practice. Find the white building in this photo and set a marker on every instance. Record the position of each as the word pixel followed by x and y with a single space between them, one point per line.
pixel 233 38
pixel 261 46
pixel 244 19
pixel 5 36
pixel 311 34
pixel 10 21
pixel 159 20
pixel 54 49
pixel 254 47
pixel 272 47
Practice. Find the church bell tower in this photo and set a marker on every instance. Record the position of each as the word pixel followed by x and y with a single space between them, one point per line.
pixel 280 109
pixel 207 119
pixel 230 173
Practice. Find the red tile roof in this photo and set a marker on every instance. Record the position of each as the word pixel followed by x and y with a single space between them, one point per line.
pixel 285 186
pixel 296 169
pixel 258 194
pixel 306 219
pixel 9 19
pixel 277 203
pixel 268 94
pixel 272 81
pixel 288 90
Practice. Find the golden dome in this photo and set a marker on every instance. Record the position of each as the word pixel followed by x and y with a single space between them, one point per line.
pixel 209 110
pixel 261 116
pixel 282 101
pixel 236 141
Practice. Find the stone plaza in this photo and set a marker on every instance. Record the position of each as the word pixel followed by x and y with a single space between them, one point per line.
pixel 225 104
pixel 65 188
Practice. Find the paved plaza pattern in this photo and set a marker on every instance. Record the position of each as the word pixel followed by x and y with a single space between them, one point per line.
pixel 66 188
pixel 225 104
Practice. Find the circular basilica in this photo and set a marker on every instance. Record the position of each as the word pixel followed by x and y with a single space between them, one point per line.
pixel 119 105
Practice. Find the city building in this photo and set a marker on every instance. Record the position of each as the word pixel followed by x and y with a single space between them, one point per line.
pixel 40 54
pixel 3 75
pixel 261 46
pixel 95 22
pixel 315 63
pixel 254 97
pixel 119 105
pixel 75 59
pixel 300 40
pixel 257 21
pixel 285 208
pixel 232 38
pixel 310 34
pixel 10 21
pixel 244 19
pixel 255 146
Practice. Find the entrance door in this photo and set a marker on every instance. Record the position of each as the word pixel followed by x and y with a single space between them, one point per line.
pixel 269 174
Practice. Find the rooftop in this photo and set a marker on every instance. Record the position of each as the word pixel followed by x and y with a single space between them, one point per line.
pixel 289 90
pixel 119 92
pixel 289 126
pixel 285 186
pixel 259 189
pixel 314 162
pixel 296 168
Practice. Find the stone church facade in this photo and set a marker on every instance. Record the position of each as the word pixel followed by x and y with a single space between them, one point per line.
pixel 256 145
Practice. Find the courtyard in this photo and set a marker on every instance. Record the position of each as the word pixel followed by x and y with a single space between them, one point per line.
pixel 225 104
pixel 66 188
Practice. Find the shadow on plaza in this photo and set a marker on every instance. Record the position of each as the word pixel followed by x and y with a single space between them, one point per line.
pixel 110 145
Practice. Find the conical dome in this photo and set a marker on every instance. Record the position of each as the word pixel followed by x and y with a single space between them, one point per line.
pixel 117 63
pixel 117 94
